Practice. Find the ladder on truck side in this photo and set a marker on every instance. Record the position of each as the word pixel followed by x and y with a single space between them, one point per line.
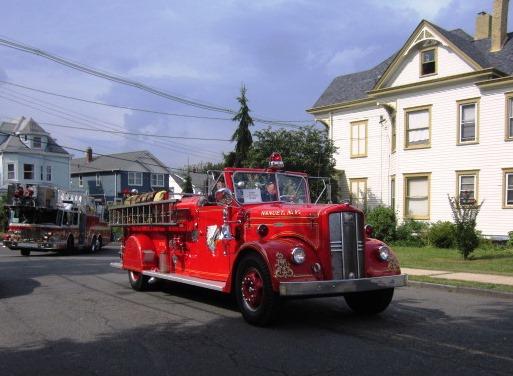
pixel 153 213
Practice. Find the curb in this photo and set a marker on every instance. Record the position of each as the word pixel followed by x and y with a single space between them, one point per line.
pixel 461 289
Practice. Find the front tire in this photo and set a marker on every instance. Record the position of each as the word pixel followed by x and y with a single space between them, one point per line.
pixel 138 281
pixel 369 302
pixel 25 252
pixel 96 244
pixel 253 291
pixel 70 244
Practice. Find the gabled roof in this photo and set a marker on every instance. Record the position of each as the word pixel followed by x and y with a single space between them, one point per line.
pixel 354 86
pixel 10 132
pixel 134 161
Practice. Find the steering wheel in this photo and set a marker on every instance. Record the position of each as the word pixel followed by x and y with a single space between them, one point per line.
pixel 288 198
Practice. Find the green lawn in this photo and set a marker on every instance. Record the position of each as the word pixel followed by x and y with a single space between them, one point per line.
pixel 492 261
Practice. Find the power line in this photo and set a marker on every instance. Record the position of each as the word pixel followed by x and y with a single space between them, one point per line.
pixel 125 81
pixel 165 145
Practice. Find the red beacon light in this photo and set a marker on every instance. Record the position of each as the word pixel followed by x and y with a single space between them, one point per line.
pixel 275 161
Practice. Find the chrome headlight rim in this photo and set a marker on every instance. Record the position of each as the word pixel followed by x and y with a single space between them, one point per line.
pixel 384 253
pixel 298 255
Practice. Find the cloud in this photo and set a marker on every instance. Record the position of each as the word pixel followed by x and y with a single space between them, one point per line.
pixel 423 9
pixel 350 60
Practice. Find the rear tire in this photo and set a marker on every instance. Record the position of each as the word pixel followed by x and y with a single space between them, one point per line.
pixel 25 252
pixel 138 281
pixel 369 302
pixel 253 291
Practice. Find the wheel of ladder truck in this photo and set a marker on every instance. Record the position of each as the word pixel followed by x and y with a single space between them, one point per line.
pixel 138 281
pixel 253 291
pixel 369 302
pixel 25 252
pixel 70 244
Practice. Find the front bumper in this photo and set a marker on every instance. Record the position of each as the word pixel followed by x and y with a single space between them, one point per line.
pixel 340 287
pixel 41 246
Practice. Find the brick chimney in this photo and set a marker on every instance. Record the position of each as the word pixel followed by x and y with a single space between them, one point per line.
pixel 89 154
pixel 483 26
pixel 499 24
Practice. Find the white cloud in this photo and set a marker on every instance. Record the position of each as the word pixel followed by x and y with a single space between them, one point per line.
pixel 424 9
pixel 350 59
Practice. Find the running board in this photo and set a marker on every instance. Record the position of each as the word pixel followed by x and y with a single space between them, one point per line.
pixel 200 282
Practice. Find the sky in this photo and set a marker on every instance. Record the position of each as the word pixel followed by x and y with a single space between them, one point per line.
pixel 286 52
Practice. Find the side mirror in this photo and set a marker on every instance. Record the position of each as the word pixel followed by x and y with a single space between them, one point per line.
pixel 224 196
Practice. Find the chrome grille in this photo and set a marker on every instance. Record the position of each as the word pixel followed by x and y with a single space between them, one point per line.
pixel 346 245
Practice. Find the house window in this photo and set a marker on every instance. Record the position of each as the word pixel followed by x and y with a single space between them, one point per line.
pixel 467 183
pixel 359 139
pixel 36 142
pixel 98 180
pixel 509 118
pixel 392 192
pixel 28 171
pixel 416 198
pixel 48 173
pixel 467 121
pixel 508 188
pixel 135 178
pixel 11 173
pixel 359 192
pixel 418 127
pixel 428 62
pixel 80 181
pixel 157 180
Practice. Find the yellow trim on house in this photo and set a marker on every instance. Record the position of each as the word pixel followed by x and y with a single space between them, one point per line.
pixel 421 53
pixel 495 82
pixel 400 55
pixel 405 194
pixel 406 111
pixel 393 192
pixel 505 172
pixel 507 135
pixel 475 174
pixel 459 103
pixel 357 123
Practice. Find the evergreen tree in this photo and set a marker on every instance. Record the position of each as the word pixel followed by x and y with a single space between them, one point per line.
pixel 188 184
pixel 242 134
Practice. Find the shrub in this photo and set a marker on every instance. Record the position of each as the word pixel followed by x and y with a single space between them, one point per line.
pixel 412 233
pixel 465 216
pixel 441 234
pixel 510 241
pixel 384 223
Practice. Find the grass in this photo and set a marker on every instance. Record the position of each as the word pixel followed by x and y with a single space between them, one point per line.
pixel 489 260
pixel 449 282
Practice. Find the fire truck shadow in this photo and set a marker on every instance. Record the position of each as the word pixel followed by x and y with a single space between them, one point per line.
pixel 197 294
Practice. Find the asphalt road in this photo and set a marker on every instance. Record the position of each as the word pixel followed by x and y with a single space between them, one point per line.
pixel 74 315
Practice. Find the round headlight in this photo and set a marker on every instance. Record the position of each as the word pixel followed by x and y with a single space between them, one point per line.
pixel 298 255
pixel 383 253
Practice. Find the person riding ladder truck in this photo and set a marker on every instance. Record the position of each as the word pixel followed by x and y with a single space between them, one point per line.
pixel 260 237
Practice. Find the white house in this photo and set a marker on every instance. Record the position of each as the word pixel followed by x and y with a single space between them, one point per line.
pixel 432 120
pixel 28 155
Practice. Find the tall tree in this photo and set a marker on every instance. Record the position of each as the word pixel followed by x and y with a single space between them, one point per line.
pixel 187 187
pixel 242 134
pixel 307 149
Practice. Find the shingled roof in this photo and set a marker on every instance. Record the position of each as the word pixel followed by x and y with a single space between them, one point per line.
pixel 10 132
pixel 134 161
pixel 354 86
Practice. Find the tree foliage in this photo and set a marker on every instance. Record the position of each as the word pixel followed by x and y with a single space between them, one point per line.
pixel 306 149
pixel 187 186
pixel 242 134
pixel 465 216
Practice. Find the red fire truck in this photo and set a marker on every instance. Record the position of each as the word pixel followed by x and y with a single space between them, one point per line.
pixel 258 235
pixel 49 219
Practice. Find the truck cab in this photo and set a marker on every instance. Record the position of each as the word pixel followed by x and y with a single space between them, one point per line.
pixel 256 233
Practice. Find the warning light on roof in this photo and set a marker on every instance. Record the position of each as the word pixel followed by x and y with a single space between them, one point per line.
pixel 275 161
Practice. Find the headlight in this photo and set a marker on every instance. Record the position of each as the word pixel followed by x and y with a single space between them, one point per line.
pixel 298 255
pixel 383 253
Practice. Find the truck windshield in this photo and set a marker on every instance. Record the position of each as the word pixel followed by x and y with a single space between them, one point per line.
pixel 255 187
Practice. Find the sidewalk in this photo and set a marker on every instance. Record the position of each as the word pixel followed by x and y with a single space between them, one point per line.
pixel 461 276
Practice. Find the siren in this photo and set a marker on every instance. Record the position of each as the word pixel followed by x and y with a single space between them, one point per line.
pixel 275 161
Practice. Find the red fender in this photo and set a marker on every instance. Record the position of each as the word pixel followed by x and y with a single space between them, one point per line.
pixel 139 253
pixel 277 255
pixel 374 267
